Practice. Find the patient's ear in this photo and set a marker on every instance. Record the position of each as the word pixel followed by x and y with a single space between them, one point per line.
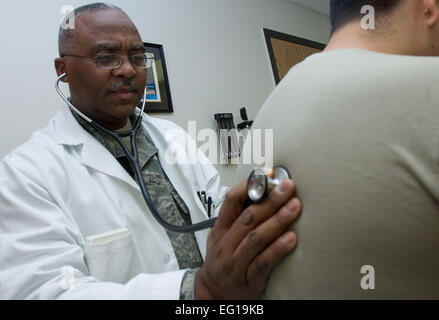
pixel 430 12
pixel 60 67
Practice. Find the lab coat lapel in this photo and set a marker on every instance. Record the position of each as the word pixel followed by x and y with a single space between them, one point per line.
pixel 97 157
pixel 93 154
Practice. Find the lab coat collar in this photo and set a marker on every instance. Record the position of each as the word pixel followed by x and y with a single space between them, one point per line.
pixel 68 130
pixel 93 154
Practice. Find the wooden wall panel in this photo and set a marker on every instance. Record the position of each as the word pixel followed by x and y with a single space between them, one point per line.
pixel 288 54
pixel 286 51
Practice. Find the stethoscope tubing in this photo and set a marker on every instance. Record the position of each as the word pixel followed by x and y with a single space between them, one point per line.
pixel 132 158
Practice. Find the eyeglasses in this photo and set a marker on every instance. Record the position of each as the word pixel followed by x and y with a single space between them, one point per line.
pixel 115 61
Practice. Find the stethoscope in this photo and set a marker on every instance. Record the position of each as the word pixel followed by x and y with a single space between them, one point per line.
pixel 259 184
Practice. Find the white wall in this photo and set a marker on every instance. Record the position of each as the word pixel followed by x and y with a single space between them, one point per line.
pixel 215 52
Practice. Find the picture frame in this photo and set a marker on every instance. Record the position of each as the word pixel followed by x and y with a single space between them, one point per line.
pixel 289 46
pixel 158 99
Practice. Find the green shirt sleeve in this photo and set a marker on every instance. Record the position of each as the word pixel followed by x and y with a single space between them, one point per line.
pixel 187 289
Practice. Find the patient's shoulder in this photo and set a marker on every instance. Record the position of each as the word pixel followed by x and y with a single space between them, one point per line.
pixel 362 63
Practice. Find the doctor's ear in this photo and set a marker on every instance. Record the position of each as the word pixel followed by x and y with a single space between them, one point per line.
pixel 60 68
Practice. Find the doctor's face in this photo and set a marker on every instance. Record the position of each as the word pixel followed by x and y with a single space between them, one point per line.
pixel 109 96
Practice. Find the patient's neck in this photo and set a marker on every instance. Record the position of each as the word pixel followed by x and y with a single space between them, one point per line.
pixel 393 41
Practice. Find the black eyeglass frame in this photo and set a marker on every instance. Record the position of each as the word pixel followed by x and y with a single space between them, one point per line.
pixel 149 58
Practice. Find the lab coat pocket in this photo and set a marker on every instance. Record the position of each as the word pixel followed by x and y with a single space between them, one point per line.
pixel 111 257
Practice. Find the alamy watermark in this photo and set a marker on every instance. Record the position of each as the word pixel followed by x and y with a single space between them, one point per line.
pixel 68 278
pixel 68 17
pixel 257 149
pixel 368 21
pixel 368 280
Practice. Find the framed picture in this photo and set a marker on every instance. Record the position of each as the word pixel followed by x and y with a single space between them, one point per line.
pixel 158 92
pixel 286 51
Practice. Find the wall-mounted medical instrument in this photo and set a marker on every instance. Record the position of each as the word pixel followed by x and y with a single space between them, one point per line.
pixel 227 135
pixel 246 124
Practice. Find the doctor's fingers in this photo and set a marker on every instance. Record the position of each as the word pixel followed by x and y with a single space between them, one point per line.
pixel 232 207
pixel 260 269
pixel 259 239
pixel 256 214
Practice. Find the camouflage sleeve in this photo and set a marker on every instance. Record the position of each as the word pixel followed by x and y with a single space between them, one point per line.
pixel 187 289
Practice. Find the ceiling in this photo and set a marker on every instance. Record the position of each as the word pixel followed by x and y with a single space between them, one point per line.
pixel 319 6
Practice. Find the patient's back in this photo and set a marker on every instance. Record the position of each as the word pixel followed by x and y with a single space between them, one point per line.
pixel 359 131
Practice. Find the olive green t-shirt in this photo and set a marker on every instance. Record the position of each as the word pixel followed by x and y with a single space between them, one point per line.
pixel 359 131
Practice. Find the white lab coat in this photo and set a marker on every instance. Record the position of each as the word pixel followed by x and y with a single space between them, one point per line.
pixel 74 224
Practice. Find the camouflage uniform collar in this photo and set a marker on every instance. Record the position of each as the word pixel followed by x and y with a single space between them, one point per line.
pixel 145 148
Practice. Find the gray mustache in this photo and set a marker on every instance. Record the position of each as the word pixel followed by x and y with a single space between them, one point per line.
pixel 125 85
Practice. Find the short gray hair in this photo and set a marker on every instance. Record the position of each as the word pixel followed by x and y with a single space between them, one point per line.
pixel 66 36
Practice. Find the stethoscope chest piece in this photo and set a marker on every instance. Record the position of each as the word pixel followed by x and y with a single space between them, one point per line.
pixel 260 184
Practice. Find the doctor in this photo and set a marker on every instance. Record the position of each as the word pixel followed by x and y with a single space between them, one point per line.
pixel 73 222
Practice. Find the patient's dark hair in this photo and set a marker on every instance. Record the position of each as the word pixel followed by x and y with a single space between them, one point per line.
pixel 345 11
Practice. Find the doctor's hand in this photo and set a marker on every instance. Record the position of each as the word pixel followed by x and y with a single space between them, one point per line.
pixel 244 246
